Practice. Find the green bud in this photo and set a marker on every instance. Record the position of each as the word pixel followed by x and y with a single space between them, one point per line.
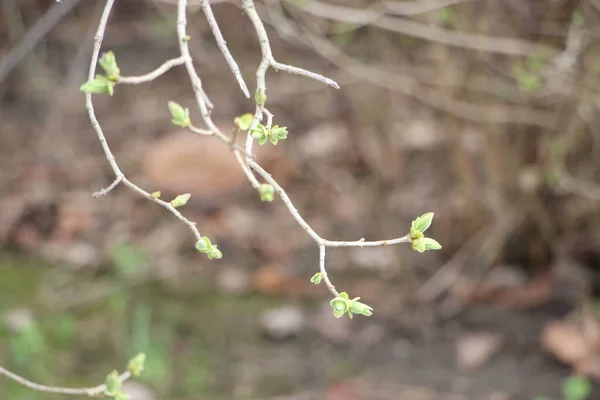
pixel 279 132
pixel 187 38
pixel 98 85
pixel 418 244
pixel 317 278
pixel 204 245
pixel 357 307
pixel 423 222
pixel 267 192
pixel 136 364
pixel 180 116
pixel 340 305
pixel 214 253
pixel 260 97
pixel 122 396
pixel 260 133
pixel 155 195
pixel 180 200
pixel 113 384
pixel 108 62
pixel 431 244
pixel 244 122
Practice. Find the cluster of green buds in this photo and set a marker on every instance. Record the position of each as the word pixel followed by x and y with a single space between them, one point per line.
pixel 342 305
pixel 275 134
pixel 205 246
pixel 104 83
pixel 179 116
pixel 419 242
pixel 113 381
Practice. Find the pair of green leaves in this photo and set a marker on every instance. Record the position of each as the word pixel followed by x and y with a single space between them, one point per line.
pixel 419 242
pixel 104 83
pixel 113 380
pixel 275 134
pixel 342 305
pixel 205 246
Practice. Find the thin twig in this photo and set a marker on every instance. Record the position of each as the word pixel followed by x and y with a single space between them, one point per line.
pixel 91 392
pixel 214 27
pixel 167 65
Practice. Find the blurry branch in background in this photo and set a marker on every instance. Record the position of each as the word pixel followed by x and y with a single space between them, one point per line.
pixel 472 41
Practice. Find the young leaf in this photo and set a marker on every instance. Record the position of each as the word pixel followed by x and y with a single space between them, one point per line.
pixel 180 116
pixel 431 244
pixel 113 384
pixel 244 122
pixel 108 62
pixel 98 85
pixel 317 278
pixel 423 222
pixel 180 200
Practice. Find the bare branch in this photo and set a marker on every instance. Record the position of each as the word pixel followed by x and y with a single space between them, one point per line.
pixel 223 46
pixel 167 65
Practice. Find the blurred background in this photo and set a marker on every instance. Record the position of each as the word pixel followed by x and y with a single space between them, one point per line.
pixel 483 111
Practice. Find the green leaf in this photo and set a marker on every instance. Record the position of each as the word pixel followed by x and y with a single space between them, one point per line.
pixel 357 307
pixel 274 140
pixel 340 306
pixel 431 244
pixel 279 132
pixel 260 133
pixel 577 388
pixel 180 200
pixel 136 364
pixel 244 122
pixel 180 116
pixel 108 62
pixel 214 253
pixel 113 384
pixel 267 192
pixel 260 97
pixel 98 85
pixel 423 222
pixel 317 278
pixel 122 396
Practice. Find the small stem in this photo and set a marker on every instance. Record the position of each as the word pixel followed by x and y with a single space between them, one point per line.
pixel 104 192
pixel 324 271
pixel 167 65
